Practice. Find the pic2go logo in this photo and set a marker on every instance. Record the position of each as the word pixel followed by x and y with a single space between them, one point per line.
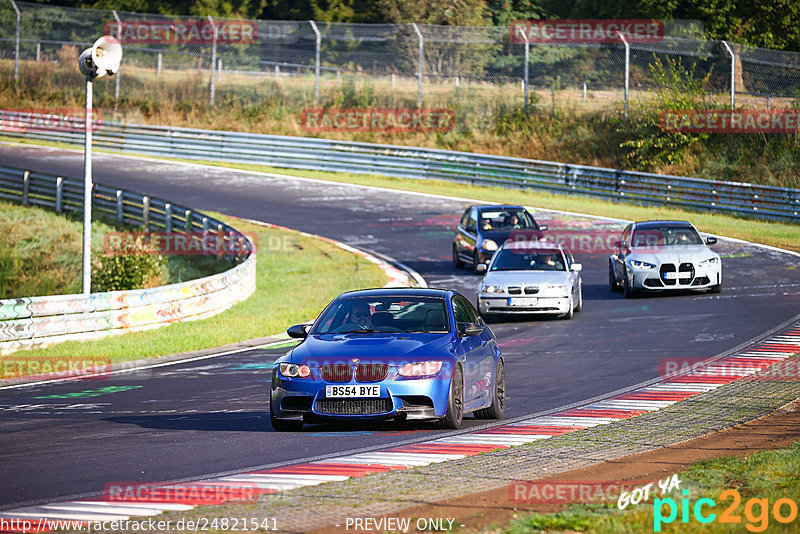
pixel 756 511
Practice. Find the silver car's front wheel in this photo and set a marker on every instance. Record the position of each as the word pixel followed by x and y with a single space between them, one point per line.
pixel 570 309
pixel 612 278
pixel 627 290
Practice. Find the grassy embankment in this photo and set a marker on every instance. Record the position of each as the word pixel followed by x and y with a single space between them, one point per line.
pixel 559 127
pixel 296 277
pixel 40 254
pixel 766 476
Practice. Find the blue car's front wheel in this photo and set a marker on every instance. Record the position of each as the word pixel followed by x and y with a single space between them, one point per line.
pixel 283 425
pixel 455 402
pixel 495 411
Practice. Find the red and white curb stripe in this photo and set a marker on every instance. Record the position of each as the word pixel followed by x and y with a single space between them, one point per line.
pixel 669 391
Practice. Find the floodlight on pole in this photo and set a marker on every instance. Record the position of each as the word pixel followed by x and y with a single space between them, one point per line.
pixel 102 59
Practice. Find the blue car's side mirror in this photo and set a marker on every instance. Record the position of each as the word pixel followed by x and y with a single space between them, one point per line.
pixel 297 331
pixel 469 329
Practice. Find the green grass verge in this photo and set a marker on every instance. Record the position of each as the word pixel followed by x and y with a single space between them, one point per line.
pixel 296 277
pixel 766 476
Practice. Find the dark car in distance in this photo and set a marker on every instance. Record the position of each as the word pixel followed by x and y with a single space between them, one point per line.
pixel 484 228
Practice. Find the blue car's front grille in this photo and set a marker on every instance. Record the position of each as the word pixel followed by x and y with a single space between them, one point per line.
pixel 336 372
pixel 371 372
pixel 353 406
pixel 365 372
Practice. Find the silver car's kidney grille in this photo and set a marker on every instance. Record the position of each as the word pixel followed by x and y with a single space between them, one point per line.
pixel 531 290
pixel 685 274
pixel 353 406
pixel 663 270
pixel 514 290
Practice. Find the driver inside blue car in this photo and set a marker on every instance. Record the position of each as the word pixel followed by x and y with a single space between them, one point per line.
pixel 360 315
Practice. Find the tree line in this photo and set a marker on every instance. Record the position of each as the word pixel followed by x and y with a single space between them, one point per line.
pixel 763 23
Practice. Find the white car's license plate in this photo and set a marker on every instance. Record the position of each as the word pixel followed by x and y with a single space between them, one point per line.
pixel 352 391
pixel 523 301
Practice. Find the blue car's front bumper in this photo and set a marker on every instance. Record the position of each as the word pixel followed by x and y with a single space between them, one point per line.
pixel 406 398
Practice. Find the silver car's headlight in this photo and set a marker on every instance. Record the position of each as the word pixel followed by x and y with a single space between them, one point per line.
pixel 557 290
pixel 492 289
pixel 637 264
pixel 489 245
pixel 709 262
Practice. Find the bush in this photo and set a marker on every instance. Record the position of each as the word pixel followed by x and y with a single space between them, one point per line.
pixel 132 267
pixel 677 89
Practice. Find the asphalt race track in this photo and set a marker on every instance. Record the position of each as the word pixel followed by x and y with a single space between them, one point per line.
pixel 210 416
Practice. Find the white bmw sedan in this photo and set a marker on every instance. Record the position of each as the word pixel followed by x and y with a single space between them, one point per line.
pixel 543 279
pixel 663 256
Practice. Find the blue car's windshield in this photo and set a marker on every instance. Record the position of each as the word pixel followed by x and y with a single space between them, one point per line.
pixel 384 314
pixel 515 260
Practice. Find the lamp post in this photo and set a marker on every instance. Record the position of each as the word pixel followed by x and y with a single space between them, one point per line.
pixel 102 59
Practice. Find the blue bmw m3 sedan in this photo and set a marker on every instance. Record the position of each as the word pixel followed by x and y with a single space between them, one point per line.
pixel 402 353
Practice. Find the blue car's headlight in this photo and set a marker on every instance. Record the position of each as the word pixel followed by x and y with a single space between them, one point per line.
pixel 709 261
pixel 636 264
pixel 420 369
pixel 291 370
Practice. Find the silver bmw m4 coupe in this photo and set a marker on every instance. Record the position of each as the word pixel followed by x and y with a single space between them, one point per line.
pixel 663 256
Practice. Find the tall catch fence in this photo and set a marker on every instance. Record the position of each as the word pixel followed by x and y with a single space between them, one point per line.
pixel 192 62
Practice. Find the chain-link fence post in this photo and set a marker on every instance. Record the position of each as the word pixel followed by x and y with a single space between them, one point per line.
pixel 627 69
pixel 526 69
pixel 119 36
pixel 316 60
pixel 419 64
pixel 733 72
pixel 213 60
pixel 16 47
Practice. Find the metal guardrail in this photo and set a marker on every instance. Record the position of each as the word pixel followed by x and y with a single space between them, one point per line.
pixel 37 321
pixel 761 201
